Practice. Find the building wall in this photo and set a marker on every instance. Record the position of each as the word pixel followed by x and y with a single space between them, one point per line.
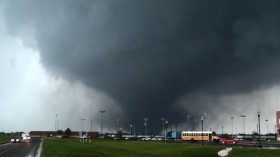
pixel 53 133
pixel 42 133
pixel 278 125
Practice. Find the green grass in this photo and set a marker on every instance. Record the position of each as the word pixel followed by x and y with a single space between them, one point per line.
pixel 73 148
pixel 253 152
pixel 4 139
pixel 98 148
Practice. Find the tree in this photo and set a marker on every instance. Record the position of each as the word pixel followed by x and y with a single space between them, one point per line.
pixel 68 132
pixel 59 132
pixel 255 133
pixel 119 135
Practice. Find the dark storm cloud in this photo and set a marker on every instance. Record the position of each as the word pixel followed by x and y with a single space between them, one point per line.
pixel 148 54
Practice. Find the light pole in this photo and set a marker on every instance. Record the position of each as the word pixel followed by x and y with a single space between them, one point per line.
pixel 58 124
pixel 266 126
pixel 83 119
pixel 55 125
pixel 162 119
pixel 130 130
pixel 266 129
pixel 204 119
pixel 232 126
pixel 134 131
pixel 195 126
pixel 202 129
pixel 102 112
pixel 166 125
pixel 188 122
pixel 243 116
pixel 90 126
pixel 259 114
pixel 118 121
pixel 146 125
pixel 176 121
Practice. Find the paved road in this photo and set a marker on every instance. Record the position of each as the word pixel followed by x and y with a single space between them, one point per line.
pixel 20 149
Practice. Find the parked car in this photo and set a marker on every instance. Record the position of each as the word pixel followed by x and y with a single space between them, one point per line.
pixel 146 139
pixel 228 141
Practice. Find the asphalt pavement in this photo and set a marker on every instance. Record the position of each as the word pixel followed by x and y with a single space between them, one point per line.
pixel 20 149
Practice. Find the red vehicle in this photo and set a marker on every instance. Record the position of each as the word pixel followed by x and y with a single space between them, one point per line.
pixel 228 141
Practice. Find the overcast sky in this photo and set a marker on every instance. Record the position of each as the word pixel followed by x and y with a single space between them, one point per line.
pixel 138 59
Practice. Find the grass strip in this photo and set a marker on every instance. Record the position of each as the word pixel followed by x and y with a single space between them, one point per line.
pixel 254 152
pixel 4 139
pixel 73 148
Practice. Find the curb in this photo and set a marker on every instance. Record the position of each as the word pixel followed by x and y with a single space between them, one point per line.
pixel 38 150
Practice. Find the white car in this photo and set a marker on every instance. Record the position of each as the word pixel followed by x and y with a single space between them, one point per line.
pixel 146 139
pixel 15 140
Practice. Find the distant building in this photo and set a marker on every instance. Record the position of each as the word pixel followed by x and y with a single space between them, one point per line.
pixel 54 133
pixel 278 125
pixel 42 133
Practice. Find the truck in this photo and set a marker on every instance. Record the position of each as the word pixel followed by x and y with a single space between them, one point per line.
pixel 173 135
pixel 25 137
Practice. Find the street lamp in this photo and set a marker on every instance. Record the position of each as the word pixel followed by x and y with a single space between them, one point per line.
pixel 188 122
pixel 146 125
pixel 118 121
pixel 243 116
pixel 231 126
pixel 55 125
pixel 259 114
pixel 266 129
pixel 83 119
pixel 266 126
pixel 166 125
pixel 202 129
pixel 204 119
pixel 91 126
pixel 102 112
pixel 130 130
pixel 176 120
pixel 162 119
pixel 134 131
pixel 195 125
